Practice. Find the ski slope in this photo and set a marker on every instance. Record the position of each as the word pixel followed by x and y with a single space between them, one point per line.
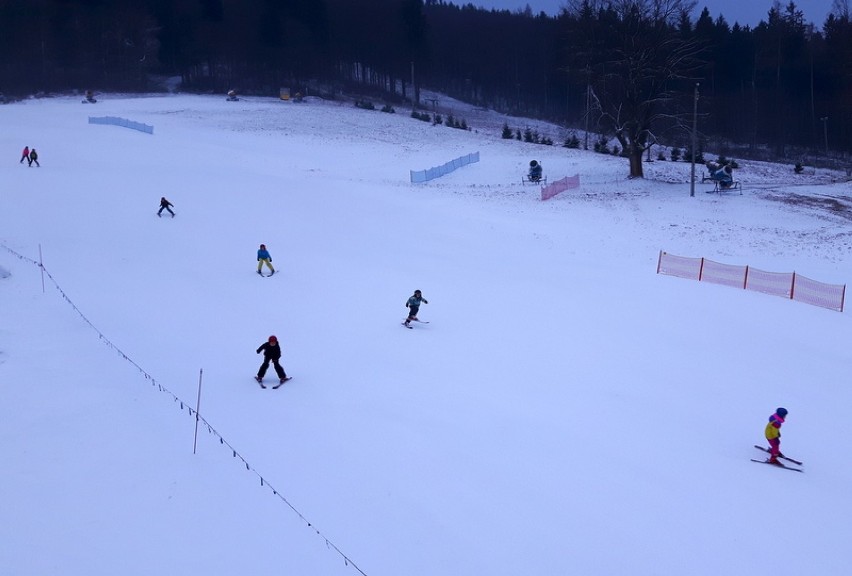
pixel 566 410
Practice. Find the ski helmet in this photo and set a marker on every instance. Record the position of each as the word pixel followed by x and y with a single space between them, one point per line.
pixel 273 338
pixel 781 412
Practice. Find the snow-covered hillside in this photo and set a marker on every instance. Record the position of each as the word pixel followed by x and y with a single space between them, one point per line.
pixel 565 411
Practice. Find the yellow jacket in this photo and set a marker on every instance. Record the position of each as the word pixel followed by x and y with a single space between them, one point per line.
pixel 773 428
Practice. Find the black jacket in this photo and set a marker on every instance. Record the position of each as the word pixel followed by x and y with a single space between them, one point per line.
pixel 269 351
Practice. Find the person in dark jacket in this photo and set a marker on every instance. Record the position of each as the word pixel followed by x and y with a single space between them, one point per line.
pixel 34 158
pixel 413 305
pixel 271 353
pixel 165 205
pixel 25 155
pixel 263 257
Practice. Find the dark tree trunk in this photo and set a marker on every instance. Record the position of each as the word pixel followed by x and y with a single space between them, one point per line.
pixel 634 154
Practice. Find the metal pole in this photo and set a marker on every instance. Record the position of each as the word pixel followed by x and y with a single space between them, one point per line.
pixel 694 134
pixel 41 267
pixel 197 408
pixel 588 97
pixel 810 37
pixel 414 98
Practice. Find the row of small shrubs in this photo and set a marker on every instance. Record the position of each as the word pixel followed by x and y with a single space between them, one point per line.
pixel 528 135
pixel 601 146
pixel 676 154
pixel 453 122
pixel 367 105
pixel 436 119
pixel 572 142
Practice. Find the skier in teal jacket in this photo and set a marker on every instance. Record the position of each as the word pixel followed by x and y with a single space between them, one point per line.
pixel 413 305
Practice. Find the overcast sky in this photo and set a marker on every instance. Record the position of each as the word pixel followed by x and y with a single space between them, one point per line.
pixel 743 11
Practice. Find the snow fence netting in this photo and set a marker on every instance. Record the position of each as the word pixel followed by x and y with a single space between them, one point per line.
pixel 123 122
pixel 438 171
pixel 819 294
pixel 785 284
pixel 567 183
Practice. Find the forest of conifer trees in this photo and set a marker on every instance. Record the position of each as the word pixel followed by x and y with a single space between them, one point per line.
pixel 625 68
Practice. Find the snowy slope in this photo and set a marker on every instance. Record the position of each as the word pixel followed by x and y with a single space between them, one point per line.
pixel 567 410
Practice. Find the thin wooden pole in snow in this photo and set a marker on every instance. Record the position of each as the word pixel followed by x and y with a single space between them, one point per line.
pixel 41 266
pixel 197 408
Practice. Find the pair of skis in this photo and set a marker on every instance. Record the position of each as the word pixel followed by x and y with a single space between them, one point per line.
pixel 415 320
pixel 262 385
pixel 779 464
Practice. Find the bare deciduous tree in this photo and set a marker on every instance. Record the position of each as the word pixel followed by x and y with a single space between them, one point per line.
pixel 633 78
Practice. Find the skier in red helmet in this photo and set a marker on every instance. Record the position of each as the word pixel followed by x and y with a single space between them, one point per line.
pixel 271 353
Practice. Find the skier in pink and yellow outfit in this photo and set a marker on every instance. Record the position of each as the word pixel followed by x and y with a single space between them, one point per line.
pixel 773 434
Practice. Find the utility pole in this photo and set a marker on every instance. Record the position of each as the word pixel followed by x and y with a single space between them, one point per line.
pixel 588 97
pixel 567 94
pixel 809 34
pixel 415 94
pixel 694 134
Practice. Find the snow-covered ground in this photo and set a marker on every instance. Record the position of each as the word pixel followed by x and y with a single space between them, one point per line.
pixel 566 410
